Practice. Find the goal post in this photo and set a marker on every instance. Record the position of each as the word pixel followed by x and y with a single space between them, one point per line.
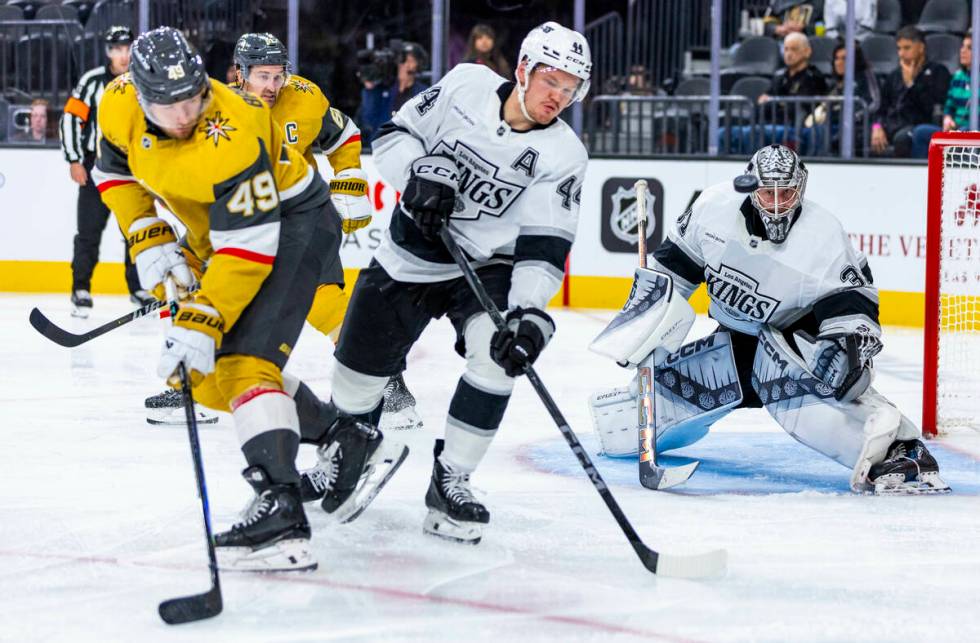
pixel 951 360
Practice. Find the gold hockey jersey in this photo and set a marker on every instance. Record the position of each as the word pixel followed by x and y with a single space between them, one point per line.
pixel 308 121
pixel 229 184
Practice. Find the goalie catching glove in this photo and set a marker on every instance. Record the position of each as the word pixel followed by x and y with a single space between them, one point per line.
pixel 528 331
pixel 841 360
pixel 430 194
pixel 192 339
pixel 348 192
pixel 153 248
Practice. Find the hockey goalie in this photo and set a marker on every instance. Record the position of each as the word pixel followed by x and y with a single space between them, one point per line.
pixel 797 331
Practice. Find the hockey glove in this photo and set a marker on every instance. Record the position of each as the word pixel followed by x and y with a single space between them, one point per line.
pixel 192 339
pixel 528 332
pixel 841 360
pixel 153 248
pixel 430 194
pixel 348 191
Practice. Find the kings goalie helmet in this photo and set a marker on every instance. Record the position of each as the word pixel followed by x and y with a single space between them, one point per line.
pixel 781 181
pixel 556 46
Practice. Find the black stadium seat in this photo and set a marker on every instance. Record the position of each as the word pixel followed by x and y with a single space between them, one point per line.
pixel 57 12
pixel 880 52
pixel 823 51
pixel 944 48
pixel 756 55
pixel 751 87
pixel 949 16
pixel 693 87
pixel 889 16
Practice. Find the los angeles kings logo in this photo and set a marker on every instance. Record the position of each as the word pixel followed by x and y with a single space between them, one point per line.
pixel 738 294
pixel 479 183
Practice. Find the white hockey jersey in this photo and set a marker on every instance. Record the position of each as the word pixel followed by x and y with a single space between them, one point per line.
pixel 518 196
pixel 815 279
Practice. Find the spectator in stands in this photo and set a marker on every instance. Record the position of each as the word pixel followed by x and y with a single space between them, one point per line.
pixel 484 49
pixel 78 140
pixel 784 17
pixel 865 87
pixel 835 17
pixel 910 96
pixel 956 112
pixel 798 78
pixel 379 102
pixel 39 120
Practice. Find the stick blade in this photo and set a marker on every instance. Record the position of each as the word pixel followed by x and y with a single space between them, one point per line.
pixel 188 609
pixel 712 564
pixel 47 328
pixel 656 477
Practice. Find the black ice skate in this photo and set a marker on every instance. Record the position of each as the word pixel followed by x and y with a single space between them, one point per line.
pixel 352 469
pixel 454 513
pixel 908 469
pixel 81 304
pixel 168 408
pixel 398 412
pixel 142 298
pixel 273 534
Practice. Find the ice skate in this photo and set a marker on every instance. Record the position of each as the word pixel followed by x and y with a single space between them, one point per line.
pixel 454 513
pixel 908 469
pixel 81 304
pixel 168 408
pixel 398 412
pixel 273 535
pixel 355 470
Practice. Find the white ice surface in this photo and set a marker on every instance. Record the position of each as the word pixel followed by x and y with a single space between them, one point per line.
pixel 99 520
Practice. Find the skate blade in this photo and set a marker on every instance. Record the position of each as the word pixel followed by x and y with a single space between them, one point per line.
pixel 404 420
pixel 294 555
pixel 442 526
pixel 379 470
pixel 176 417
pixel 927 484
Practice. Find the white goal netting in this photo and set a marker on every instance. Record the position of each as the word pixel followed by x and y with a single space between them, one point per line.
pixel 958 373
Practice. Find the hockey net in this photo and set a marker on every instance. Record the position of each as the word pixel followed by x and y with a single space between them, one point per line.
pixel 951 377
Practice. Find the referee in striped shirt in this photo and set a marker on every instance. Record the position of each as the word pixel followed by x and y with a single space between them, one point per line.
pixel 79 131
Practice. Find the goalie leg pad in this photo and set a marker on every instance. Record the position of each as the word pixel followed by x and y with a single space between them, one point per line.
pixel 855 434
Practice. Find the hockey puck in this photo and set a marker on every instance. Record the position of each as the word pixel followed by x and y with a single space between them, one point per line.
pixel 745 183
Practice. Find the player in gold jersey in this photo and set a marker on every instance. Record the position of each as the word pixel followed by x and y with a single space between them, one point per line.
pixel 308 121
pixel 261 217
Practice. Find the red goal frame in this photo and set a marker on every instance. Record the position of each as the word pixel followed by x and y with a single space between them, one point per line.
pixel 934 212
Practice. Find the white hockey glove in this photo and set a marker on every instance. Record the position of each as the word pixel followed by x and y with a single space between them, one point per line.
pixel 153 248
pixel 192 339
pixel 348 191
pixel 842 361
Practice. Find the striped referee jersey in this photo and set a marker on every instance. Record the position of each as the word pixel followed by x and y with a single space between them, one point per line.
pixel 79 123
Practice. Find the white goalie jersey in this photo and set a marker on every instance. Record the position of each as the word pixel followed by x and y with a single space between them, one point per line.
pixel 752 282
pixel 519 192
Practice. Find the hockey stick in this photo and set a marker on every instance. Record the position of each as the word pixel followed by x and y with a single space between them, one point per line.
pixel 696 566
pixel 652 475
pixel 67 339
pixel 186 609
pixel 64 338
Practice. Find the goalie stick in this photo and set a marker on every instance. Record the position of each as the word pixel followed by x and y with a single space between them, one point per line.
pixel 707 565
pixel 68 339
pixel 652 475
pixel 186 609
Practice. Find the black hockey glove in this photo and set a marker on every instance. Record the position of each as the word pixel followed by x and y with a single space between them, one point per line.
pixel 430 194
pixel 528 332
pixel 841 360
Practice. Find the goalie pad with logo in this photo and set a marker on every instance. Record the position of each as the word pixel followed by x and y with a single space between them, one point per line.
pixel 694 388
pixel 856 434
pixel 654 316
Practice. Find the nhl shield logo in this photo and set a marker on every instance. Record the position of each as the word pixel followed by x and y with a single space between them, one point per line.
pixel 623 215
pixel 618 222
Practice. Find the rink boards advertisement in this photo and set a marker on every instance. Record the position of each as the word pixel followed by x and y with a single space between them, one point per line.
pixel 883 207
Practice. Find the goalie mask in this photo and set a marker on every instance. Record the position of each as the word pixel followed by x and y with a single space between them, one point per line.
pixel 781 181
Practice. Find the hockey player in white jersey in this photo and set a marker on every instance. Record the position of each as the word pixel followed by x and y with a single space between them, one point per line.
pixel 489 158
pixel 801 311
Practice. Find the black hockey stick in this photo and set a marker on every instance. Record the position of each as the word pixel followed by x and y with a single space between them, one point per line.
pixel 64 338
pixel 186 609
pixel 696 566
pixel 652 475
